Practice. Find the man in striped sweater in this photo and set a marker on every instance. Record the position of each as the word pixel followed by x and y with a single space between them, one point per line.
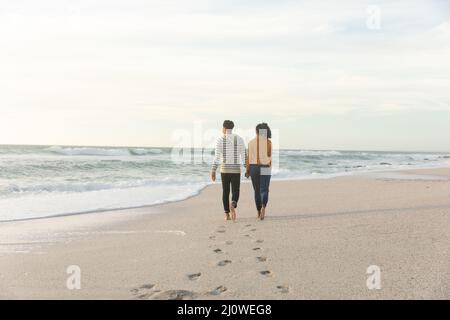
pixel 231 155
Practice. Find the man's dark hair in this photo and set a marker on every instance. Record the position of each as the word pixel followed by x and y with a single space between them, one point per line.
pixel 228 124
pixel 265 130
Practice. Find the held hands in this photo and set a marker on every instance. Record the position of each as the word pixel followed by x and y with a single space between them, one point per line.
pixel 213 176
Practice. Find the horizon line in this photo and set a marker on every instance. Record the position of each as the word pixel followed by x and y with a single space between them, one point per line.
pixel 168 147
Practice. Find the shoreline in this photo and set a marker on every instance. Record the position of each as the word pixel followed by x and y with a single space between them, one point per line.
pixel 317 241
pixel 394 173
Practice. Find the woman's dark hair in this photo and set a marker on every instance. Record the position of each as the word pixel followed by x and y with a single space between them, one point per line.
pixel 264 129
pixel 228 124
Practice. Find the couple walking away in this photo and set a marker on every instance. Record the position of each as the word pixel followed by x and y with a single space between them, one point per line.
pixel 231 155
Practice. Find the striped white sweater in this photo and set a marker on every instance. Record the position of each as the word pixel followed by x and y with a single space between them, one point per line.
pixel 230 154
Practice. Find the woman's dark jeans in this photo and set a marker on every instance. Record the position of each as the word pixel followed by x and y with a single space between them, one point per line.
pixel 261 180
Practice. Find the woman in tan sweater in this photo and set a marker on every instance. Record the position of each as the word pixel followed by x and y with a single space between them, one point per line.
pixel 259 164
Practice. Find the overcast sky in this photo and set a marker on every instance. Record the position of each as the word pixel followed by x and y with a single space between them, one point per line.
pixel 372 75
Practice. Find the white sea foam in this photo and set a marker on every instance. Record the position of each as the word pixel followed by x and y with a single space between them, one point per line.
pixel 107 152
pixel 88 186
pixel 145 151
pixel 87 151
pixel 63 203
pixel 323 153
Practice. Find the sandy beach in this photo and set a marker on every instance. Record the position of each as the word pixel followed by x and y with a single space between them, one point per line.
pixel 317 241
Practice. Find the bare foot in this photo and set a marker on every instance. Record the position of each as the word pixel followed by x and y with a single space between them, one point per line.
pixel 227 216
pixel 259 214
pixel 233 211
pixel 263 213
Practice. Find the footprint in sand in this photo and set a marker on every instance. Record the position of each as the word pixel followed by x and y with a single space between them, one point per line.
pixel 253 230
pixel 217 250
pixel 283 289
pixel 217 291
pixel 248 225
pixel 220 229
pixel 194 276
pixel 145 291
pixel 261 259
pixel 147 286
pixel 246 235
pixel 145 296
pixel 256 249
pixel 223 263
pixel 229 242
pixel 212 237
pixel 266 273
pixel 176 295
pixel 259 241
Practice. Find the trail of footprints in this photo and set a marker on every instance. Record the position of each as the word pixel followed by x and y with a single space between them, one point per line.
pixel 149 291
pixel 265 273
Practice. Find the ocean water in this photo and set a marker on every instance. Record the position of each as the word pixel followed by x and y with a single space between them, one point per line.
pixel 42 181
